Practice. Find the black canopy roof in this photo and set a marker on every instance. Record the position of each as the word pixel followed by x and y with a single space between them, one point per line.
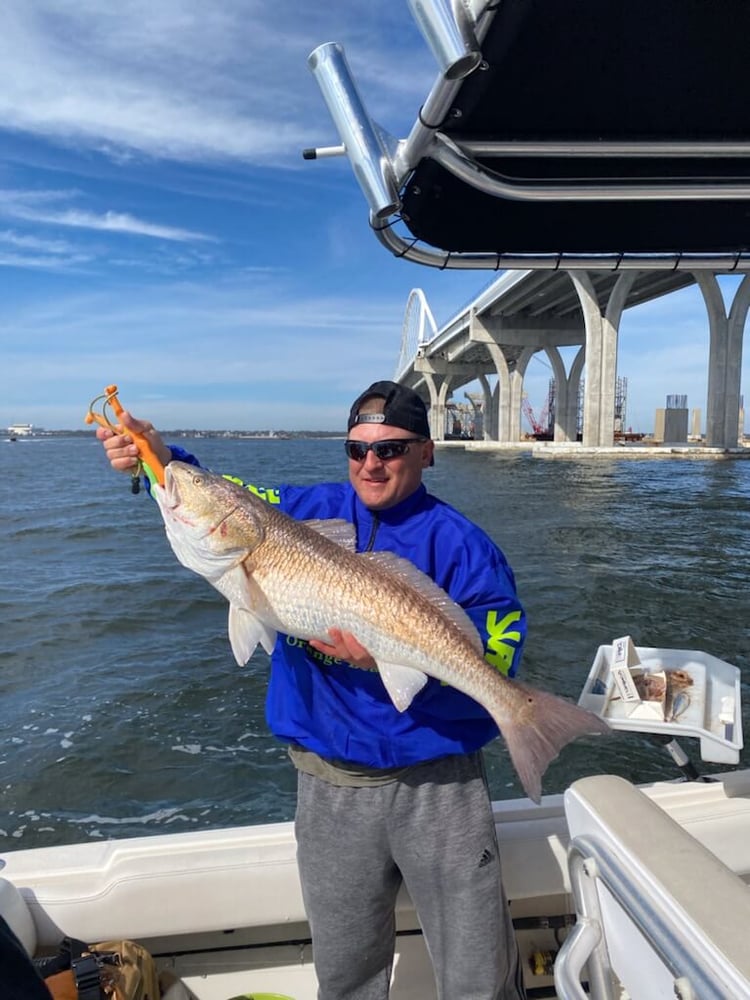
pixel 590 127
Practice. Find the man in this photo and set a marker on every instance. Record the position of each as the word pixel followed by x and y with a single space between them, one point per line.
pixel 20 980
pixel 387 796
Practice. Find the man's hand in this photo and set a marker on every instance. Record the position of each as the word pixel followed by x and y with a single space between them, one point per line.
pixel 120 449
pixel 343 646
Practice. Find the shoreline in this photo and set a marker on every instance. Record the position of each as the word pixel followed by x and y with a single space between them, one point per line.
pixel 567 449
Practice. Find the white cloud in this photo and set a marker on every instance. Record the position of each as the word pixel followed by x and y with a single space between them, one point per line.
pixel 33 206
pixel 185 79
pixel 116 222
pixel 34 243
pixel 36 263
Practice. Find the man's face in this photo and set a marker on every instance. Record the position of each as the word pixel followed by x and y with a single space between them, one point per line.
pixel 380 484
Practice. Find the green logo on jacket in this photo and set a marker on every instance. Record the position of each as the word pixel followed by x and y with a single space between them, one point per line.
pixel 502 641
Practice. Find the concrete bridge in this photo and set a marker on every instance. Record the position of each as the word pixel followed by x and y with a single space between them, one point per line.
pixel 493 339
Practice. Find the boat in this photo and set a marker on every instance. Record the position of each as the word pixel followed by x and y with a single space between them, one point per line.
pixel 20 430
pixel 616 889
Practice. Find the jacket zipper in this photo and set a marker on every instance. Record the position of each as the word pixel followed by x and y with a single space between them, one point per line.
pixel 373 532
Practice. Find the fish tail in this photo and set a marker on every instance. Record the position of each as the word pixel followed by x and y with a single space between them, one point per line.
pixel 536 736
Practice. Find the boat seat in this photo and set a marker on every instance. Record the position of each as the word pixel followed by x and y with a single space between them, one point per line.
pixel 17 915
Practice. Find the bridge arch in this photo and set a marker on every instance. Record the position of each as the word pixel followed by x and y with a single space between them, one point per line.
pixel 418 328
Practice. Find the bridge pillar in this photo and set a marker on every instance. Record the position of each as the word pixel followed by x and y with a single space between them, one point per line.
pixel 494 412
pixel 437 422
pixel 502 426
pixel 438 376
pixel 509 388
pixel 724 359
pixel 503 338
pixel 566 413
pixel 488 410
pixel 566 394
pixel 601 328
pixel 435 415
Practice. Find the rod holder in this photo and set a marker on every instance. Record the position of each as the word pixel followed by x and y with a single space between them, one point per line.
pixel 363 139
pixel 448 31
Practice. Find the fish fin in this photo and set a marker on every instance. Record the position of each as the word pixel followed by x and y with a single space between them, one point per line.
pixel 245 632
pixel 335 530
pixel 537 734
pixel 402 683
pixel 235 585
pixel 408 572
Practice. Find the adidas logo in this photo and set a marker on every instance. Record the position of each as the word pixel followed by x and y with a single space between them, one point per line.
pixel 485 859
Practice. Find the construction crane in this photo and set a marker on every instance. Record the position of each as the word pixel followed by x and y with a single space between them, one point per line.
pixel 539 425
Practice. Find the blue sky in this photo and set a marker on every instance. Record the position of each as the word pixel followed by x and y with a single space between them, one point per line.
pixel 159 228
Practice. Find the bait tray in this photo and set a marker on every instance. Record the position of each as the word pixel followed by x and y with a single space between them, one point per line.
pixel 713 715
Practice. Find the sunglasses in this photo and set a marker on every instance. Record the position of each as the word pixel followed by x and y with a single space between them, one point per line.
pixel 384 450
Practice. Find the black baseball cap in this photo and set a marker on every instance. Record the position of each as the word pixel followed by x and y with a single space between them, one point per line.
pixel 402 407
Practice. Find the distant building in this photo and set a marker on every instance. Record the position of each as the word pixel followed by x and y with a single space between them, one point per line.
pixel 741 428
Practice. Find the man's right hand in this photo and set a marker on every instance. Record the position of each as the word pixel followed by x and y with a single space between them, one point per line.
pixel 120 449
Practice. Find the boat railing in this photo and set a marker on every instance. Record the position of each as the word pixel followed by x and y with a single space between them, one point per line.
pixel 657 913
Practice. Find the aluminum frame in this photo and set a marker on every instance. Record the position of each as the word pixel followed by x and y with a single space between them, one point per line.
pixel 454 30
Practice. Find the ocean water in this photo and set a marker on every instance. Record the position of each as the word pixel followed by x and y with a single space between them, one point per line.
pixel 124 713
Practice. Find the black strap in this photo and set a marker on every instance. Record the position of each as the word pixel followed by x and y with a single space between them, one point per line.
pixel 86 972
pixel 69 949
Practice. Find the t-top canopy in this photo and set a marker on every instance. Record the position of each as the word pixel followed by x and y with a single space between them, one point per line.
pixel 563 133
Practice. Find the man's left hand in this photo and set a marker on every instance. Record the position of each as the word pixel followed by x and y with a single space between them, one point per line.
pixel 343 646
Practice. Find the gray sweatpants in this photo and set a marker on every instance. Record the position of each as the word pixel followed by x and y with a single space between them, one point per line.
pixel 433 828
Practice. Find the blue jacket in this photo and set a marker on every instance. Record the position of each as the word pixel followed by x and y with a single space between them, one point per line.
pixel 344 713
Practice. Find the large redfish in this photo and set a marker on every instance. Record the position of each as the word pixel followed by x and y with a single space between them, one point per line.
pixel 303 578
